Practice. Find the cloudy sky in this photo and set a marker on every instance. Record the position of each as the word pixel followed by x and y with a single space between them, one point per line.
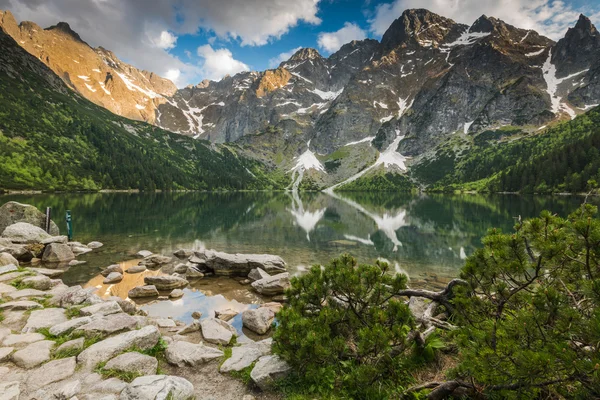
pixel 191 40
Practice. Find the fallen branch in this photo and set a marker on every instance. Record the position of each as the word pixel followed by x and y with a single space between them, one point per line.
pixel 442 297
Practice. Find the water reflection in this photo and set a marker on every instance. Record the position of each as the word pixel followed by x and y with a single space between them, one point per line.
pixel 428 236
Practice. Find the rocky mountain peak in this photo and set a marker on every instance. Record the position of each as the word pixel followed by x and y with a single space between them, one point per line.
pixel 584 25
pixel 484 24
pixel 65 28
pixel 305 54
pixel 417 27
pixel 271 80
pixel 579 49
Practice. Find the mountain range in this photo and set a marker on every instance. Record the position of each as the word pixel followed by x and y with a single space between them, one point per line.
pixel 411 110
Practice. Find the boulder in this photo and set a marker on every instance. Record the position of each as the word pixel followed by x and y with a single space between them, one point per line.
pixel 33 355
pixel 156 387
pixel 19 252
pixel 240 264
pixel 136 269
pixel 57 252
pixel 273 306
pixel 94 245
pixel 75 344
pixel 56 239
pixel 176 293
pixel 51 372
pixel 226 314
pixel 13 212
pixel 276 284
pixel 258 320
pixel 20 305
pixel 244 356
pixel 8 268
pixel 183 253
pixel 127 306
pixel 194 326
pixel 257 274
pixel 156 260
pixel 22 232
pixel 19 294
pixel 180 268
pixel 107 325
pixel 144 338
pixel 165 282
pixel 14 340
pixel 104 308
pixel 113 277
pixel 133 362
pixel 5 353
pixel 217 331
pixel 193 273
pixel 143 291
pixel 45 318
pixel 10 390
pixel 111 386
pixel 7 259
pixel 73 296
pixel 39 282
pixel 183 354
pixel 143 253
pixel 267 370
pixel 112 268
pixel 50 273
pixel 165 323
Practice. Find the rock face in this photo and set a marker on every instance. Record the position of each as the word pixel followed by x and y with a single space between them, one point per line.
pixel 273 285
pixel 144 338
pixel 165 282
pixel 13 212
pixel 23 232
pixel 267 370
pixel 183 354
pixel 57 252
pixel 258 320
pixel 158 387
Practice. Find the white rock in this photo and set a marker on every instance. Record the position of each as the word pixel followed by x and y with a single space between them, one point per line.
pixel 39 282
pixel 158 387
pixel 57 252
pixel 105 308
pixel 258 320
pixel 44 319
pixel 22 340
pixel 165 323
pixel 68 390
pixel 20 305
pixel 22 232
pixel 25 293
pixel 217 331
pixel 95 245
pixel 8 268
pixel 113 277
pixel 183 354
pixel 50 273
pixel 76 344
pixel 33 355
pixel 176 293
pixel 194 326
pixel 7 259
pixel 5 353
pixel 9 390
pixel 69 325
pixel 51 372
pixel 143 291
pixel 272 285
pixel 111 385
pixel 108 325
pixel 143 253
pixel 133 362
pixel 56 239
pixel 267 370
pixel 243 356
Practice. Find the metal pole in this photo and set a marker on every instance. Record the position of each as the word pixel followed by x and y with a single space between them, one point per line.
pixel 69 225
pixel 48 216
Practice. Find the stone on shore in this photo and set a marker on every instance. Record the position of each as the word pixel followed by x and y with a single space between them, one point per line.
pixel 136 269
pixel 75 344
pixel 5 353
pixel 257 274
pixel 176 293
pixel 194 326
pixel 51 372
pixel 238 264
pixel 45 318
pixel 133 362
pixel 108 325
pixel 16 340
pixel 19 294
pixel 94 245
pixel 7 259
pixel 276 284
pixel 243 356
pixel 13 212
pixel 143 291
pixel 193 273
pixel 10 390
pixel 8 268
pixel 165 282
pixel 183 354
pixel 183 253
pixel 113 277
pixel 50 273
pixel 20 305
pixel 143 339
pixel 226 314
pixel 217 331
pixel 39 282
pixel 33 355
pixel 267 370
pixel 55 239
pixel 258 320
pixel 111 268
pixel 104 308
pixel 157 387
pixel 57 252
pixel 180 268
pixel 24 233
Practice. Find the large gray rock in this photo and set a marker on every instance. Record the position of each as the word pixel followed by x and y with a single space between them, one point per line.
pixel 56 239
pixel 276 284
pixel 7 259
pixel 73 296
pixel 158 387
pixel 10 390
pixel 239 264
pixel 144 339
pixel 258 320
pixel 33 355
pixel 15 340
pixel 183 354
pixel 217 331
pixel 127 306
pixel 143 291
pixel 57 252
pixel 22 232
pixel 108 325
pixel 111 268
pixel 44 319
pixel 5 269
pixel 133 362
pixel 267 370
pixel 136 269
pixel 155 260
pixel 39 282
pixel 13 212
pixel 20 305
pixel 25 293
pixel 226 314
pixel 165 282
pixel 257 274
pixel 113 277
pixel 51 372
pixel 243 356
pixel 104 308
pixel 50 273
pixel 75 344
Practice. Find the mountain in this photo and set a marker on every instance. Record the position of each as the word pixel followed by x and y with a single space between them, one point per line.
pixel 54 139
pixel 377 114
pixel 96 73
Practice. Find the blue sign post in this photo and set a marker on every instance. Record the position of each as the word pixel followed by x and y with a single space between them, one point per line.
pixel 69 225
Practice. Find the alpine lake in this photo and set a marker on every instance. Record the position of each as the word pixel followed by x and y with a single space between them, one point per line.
pixel 426 236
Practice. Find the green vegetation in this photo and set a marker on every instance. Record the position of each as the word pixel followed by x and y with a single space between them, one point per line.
pixel 52 139
pixel 523 322
pixel 379 182
pixel 126 376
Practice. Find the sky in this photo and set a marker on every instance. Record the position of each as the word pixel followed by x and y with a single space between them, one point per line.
pixel 191 40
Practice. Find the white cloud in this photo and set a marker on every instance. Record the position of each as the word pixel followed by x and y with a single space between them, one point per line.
pixel 166 40
pixel 548 17
pixel 173 74
pixel 332 41
pixel 275 61
pixel 218 63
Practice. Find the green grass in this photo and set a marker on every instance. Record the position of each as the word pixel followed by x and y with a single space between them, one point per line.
pixel 113 373
pixel 73 312
pixel 244 375
pixel 59 340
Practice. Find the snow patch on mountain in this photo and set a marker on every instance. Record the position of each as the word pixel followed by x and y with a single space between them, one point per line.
pixel 367 139
pixel 304 162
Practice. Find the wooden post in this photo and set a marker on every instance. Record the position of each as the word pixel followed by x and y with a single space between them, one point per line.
pixel 48 218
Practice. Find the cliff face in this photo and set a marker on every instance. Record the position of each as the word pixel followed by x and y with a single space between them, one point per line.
pixel 97 74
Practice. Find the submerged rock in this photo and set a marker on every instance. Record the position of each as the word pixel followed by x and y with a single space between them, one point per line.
pixel 95 245
pixel 136 269
pixel 113 277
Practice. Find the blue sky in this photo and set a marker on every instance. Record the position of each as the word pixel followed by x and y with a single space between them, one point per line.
pixel 190 40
